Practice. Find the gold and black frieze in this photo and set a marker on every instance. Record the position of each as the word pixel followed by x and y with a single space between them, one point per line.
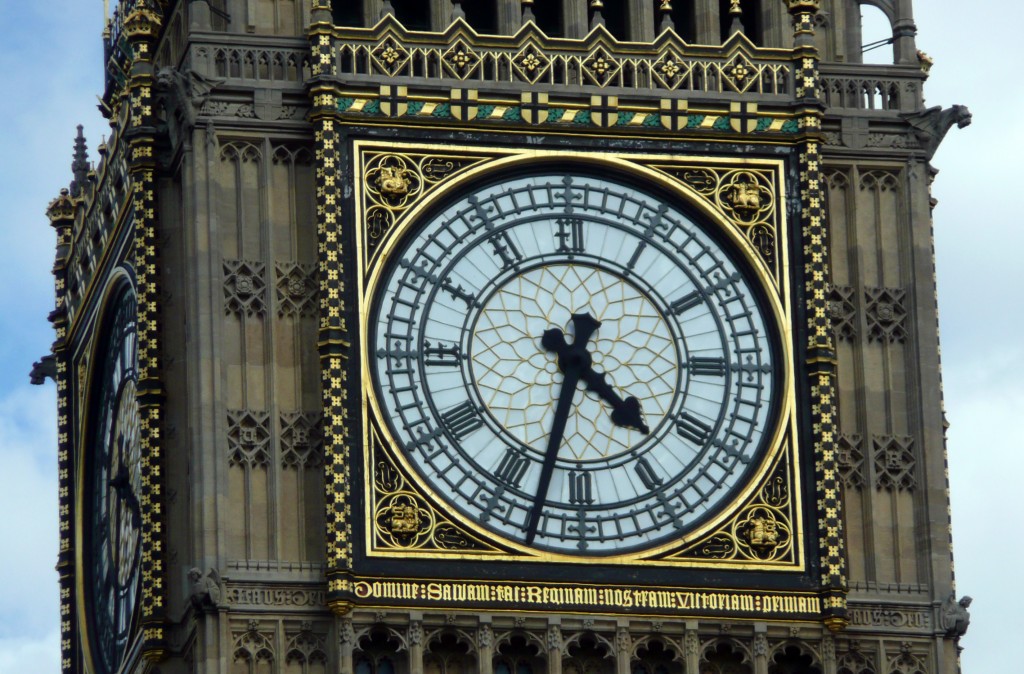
pixel 582 598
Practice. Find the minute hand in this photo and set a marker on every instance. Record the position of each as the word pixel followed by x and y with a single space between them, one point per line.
pixel 572 360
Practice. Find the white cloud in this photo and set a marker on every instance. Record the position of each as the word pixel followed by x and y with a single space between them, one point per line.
pixel 19 655
pixel 28 498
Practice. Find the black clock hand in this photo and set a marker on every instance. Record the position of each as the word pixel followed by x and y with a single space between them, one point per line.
pixel 626 412
pixel 572 360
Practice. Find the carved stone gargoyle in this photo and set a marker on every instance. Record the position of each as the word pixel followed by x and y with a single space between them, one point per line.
pixel 955 618
pixel 932 125
pixel 204 591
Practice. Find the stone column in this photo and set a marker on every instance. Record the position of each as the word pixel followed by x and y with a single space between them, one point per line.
pixel 641 20
pixel 510 16
pixel 485 646
pixel 904 32
pixel 575 17
pixel 415 644
pixel 853 39
pixel 373 10
pixel 346 646
pixel 554 643
pixel 199 15
pixel 760 648
pixel 706 22
pixel 440 14
pixel 828 654
pixel 623 649
pixel 691 647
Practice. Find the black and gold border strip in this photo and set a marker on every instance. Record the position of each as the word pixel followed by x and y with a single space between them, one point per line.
pixel 821 358
pixel 333 335
pixel 142 26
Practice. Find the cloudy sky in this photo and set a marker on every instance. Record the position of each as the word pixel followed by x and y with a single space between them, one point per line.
pixel 51 71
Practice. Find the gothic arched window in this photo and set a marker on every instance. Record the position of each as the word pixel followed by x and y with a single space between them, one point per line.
pixel 413 14
pixel 347 12
pixel 516 656
pixel 654 658
pixel 548 17
pixel 616 18
pixel 751 14
pixel 482 15
pixel 792 660
pixel 588 656
pixel 378 654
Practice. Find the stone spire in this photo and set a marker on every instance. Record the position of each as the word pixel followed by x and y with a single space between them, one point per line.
pixel 80 165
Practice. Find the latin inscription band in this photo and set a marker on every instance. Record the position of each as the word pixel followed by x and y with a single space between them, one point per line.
pixel 586 598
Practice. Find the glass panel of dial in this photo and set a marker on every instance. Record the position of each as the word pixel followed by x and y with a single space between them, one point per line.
pixel 114 535
pixel 470 392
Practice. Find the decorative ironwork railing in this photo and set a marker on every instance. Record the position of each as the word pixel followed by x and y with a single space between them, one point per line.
pixel 458 56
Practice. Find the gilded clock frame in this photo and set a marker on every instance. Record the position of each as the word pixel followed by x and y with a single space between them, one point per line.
pixel 111 291
pixel 402 516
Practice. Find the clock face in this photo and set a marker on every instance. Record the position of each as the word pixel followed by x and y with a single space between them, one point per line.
pixel 575 363
pixel 112 538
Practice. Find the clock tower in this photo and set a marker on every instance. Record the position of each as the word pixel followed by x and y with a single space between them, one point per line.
pixel 504 337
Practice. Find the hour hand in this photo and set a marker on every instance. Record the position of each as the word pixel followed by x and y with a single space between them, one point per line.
pixel 625 413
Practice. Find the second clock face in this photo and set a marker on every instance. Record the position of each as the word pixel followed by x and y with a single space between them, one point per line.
pixel 574 363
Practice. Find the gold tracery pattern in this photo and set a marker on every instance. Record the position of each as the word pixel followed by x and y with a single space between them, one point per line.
pixel 395 182
pixel 403 520
pixel 762 530
pixel 744 196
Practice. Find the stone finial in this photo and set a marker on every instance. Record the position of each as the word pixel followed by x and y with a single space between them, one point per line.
pixel 527 10
pixel 457 11
pixel 736 12
pixel 596 17
pixel 80 164
pixel 666 16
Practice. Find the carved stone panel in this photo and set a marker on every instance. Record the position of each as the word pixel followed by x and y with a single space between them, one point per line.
pixel 894 462
pixel 296 289
pixel 886 315
pixel 843 312
pixel 244 288
pixel 248 438
pixel 850 458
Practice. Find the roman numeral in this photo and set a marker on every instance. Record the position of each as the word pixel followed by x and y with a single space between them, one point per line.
pixel 707 367
pixel 459 293
pixel 448 356
pixel 512 467
pixel 647 475
pixel 570 235
pixel 693 429
pixel 686 303
pixel 580 489
pixel 462 420
pixel 506 249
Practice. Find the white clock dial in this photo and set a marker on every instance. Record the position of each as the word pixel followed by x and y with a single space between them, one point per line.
pixel 574 363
